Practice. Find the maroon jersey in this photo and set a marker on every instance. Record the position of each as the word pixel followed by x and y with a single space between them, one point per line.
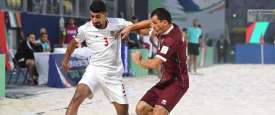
pixel 172 51
pixel 174 82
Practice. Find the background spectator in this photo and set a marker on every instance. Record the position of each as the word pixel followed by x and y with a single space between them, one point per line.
pixel 24 57
pixel 44 42
pixel 194 33
pixel 71 30
pixel 222 46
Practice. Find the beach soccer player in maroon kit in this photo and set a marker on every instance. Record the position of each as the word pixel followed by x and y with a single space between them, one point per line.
pixel 171 57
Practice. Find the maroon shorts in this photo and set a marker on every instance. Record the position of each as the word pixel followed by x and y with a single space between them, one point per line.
pixel 167 96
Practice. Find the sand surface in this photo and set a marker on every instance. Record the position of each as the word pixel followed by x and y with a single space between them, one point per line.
pixel 218 90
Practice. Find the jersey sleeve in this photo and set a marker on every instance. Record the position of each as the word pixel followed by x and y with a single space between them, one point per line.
pixel 80 35
pixel 123 23
pixel 166 50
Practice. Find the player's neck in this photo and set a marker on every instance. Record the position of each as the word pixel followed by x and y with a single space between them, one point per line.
pixel 168 26
pixel 105 24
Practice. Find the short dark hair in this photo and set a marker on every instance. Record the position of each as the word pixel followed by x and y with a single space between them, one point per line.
pixel 31 33
pixel 98 6
pixel 162 14
pixel 43 34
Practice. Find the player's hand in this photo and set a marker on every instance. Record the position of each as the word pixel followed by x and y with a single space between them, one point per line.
pixel 125 32
pixel 65 66
pixel 136 57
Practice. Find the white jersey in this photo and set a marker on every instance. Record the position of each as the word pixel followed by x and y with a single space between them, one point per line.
pixel 104 44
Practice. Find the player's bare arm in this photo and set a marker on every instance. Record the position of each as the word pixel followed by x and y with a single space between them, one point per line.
pixel 68 54
pixel 135 27
pixel 144 32
pixel 148 64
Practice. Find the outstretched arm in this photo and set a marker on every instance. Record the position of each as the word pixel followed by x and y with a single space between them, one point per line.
pixel 135 27
pixel 68 54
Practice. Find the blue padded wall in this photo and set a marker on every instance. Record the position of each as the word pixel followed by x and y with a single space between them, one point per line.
pixel 269 54
pixel 248 54
pixel 251 54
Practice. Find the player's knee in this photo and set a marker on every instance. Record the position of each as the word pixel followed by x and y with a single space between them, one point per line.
pixel 122 109
pixel 160 110
pixel 123 112
pixel 81 93
pixel 142 109
pixel 30 63
pixel 139 109
pixel 79 96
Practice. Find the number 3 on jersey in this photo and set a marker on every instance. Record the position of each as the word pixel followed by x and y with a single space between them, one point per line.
pixel 106 43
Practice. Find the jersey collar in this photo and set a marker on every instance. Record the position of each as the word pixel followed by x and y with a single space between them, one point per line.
pixel 168 31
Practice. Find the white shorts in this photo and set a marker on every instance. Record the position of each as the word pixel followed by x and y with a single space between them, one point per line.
pixel 111 83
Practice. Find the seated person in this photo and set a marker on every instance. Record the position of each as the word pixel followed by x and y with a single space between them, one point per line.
pixel 24 57
pixel 44 42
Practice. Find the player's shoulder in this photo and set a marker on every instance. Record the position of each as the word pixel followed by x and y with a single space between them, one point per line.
pixel 176 28
pixel 84 27
pixel 174 35
pixel 117 21
pixel 175 31
pixel 88 26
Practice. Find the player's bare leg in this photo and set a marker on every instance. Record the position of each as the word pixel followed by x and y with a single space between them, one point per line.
pixel 190 62
pixel 160 110
pixel 144 108
pixel 121 109
pixel 81 93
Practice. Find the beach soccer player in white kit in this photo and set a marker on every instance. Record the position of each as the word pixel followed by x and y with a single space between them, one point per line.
pixel 105 67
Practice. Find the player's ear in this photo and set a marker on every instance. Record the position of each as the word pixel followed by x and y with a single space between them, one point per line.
pixel 165 22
